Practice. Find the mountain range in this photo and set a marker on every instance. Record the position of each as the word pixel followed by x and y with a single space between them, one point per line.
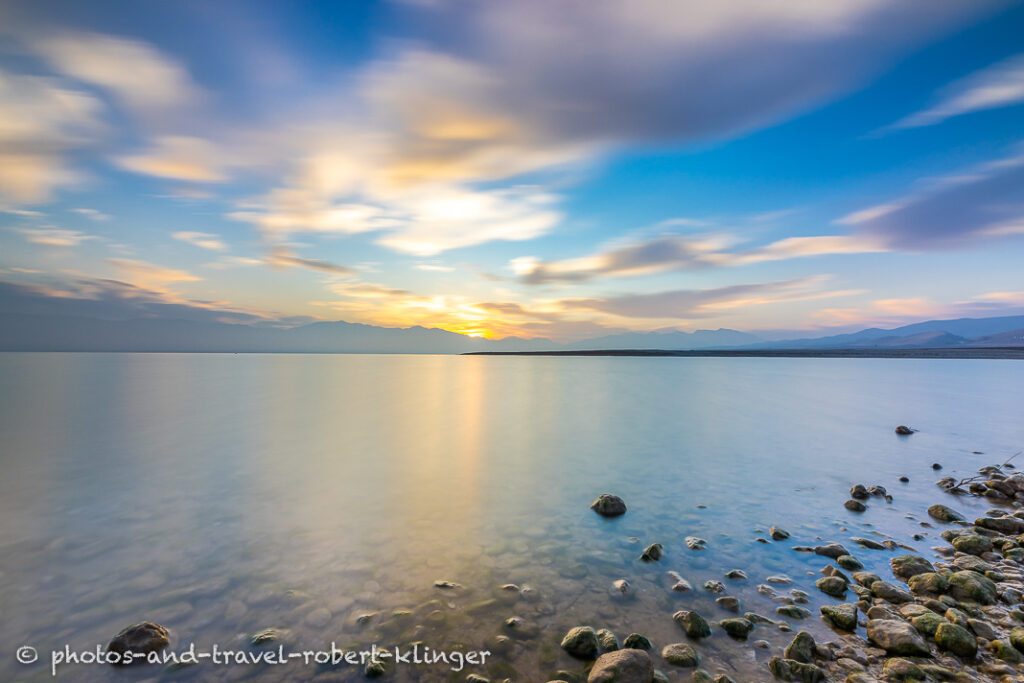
pixel 32 321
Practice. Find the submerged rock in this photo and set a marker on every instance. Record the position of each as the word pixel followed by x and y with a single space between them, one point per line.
pixel 695 543
pixel 652 553
pixel 737 627
pixel 581 642
pixel 622 666
pixel 693 623
pixel 681 654
pixel 608 505
pixel 636 641
pixel 141 638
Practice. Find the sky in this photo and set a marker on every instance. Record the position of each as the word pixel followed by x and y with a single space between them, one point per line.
pixel 558 169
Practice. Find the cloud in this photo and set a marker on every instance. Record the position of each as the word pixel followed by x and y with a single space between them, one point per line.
pixel 135 73
pixel 984 203
pixel 150 276
pixel 901 311
pixel 283 257
pixel 1000 85
pixel 92 214
pixel 434 268
pixel 178 157
pixel 685 252
pixel 203 240
pixel 41 121
pixel 55 237
pixel 688 304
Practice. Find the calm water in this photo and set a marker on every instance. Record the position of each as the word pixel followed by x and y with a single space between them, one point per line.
pixel 220 495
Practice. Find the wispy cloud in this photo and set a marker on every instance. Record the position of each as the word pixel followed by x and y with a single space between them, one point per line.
pixel 284 257
pixel 178 157
pixel 203 240
pixel 92 214
pixel 1000 85
pixel 55 237
pixel 983 203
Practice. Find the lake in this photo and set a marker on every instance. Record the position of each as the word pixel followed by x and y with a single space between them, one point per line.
pixel 324 495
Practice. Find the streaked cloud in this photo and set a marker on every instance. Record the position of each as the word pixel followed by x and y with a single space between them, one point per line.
pixel 203 240
pixel 92 214
pixel 150 276
pixel 1000 85
pixel 982 203
pixel 284 257
pixel 55 237
pixel 178 157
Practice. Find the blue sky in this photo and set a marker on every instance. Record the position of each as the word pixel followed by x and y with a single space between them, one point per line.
pixel 540 169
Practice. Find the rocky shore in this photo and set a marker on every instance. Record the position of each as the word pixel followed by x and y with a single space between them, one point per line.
pixel 953 612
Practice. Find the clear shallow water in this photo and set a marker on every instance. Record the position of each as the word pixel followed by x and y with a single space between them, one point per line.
pixel 219 495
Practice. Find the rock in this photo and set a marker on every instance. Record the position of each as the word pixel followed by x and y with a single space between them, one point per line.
pixel 832 585
pixel 905 479
pixel 652 553
pixel 843 617
pixel 832 550
pixel 897 638
pixel 737 628
pixel 793 612
pixel 607 640
pixel 141 638
pixel 868 543
pixel 792 670
pixel 928 623
pixel 972 544
pixel 713 586
pixel 904 430
pixel 859 492
pixel 855 505
pixel 635 641
pixel 936 466
pixel 865 578
pixel 622 666
pixel 899 669
pixel 608 505
pixel 972 586
pixel 801 648
pixel 956 639
pixel 680 654
pixel 849 562
pixel 728 602
pixel 1004 525
pixel 694 543
pixel 736 574
pixel 446 585
pixel 581 642
pixel 701 676
pixel 1005 651
pixel 1017 637
pixel 374 669
pixel 693 623
pixel 928 583
pixel 905 566
pixel 983 629
pixel 778 534
pixel 622 589
pixel 889 592
pixel 267 635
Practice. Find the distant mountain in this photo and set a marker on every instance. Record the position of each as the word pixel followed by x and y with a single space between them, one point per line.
pixel 667 339
pixel 928 334
pixel 1011 338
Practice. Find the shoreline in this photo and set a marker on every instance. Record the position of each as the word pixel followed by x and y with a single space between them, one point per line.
pixel 997 353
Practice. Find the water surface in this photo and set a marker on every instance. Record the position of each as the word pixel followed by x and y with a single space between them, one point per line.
pixel 223 494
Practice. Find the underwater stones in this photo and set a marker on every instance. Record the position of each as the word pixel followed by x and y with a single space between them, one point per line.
pixel 622 666
pixel 801 648
pixel 831 550
pixel 778 534
pixel 905 566
pixel 681 655
pixel 267 635
pixel 956 639
pixel 728 602
pixel 607 640
pixel 897 638
pixel 971 586
pixel 651 553
pixel 737 627
pixel 679 584
pixel 141 638
pixel 622 589
pixel 944 514
pixel 636 641
pixel 444 584
pixel 843 617
pixel 692 623
pixel 581 642
pixel 832 585
pixel 608 505
pixel 713 586
pixel 695 543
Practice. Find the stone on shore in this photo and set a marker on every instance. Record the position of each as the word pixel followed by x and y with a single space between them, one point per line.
pixel 801 648
pixel 897 638
pixel 905 566
pixel 944 514
pixel 832 585
pixel 636 641
pixel 608 505
pixel 792 670
pixel 972 586
pixel 693 623
pixel 607 640
pixel 681 654
pixel 956 639
pixel 581 642
pixel 622 666
pixel 843 617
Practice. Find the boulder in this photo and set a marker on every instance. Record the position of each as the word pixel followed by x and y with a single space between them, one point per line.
pixel 681 654
pixel 608 505
pixel 897 638
pixel 581 642
pixel 622 666
pixel 141 638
